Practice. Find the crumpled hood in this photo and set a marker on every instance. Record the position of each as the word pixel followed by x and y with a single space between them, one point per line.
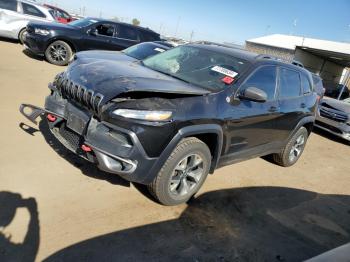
pixel 336 104
pixel 109 76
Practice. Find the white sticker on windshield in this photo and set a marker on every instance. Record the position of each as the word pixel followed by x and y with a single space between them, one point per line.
pixel 224 71
pixel 159 49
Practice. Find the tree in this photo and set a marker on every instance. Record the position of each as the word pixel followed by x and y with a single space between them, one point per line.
pixel 135 21
pixel 115 19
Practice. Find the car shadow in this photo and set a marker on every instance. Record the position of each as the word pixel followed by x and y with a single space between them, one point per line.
pixel 87 168
pixel 330 136
pixel 26 250
pixel 9 40
pixel 31 55
pixel 244 224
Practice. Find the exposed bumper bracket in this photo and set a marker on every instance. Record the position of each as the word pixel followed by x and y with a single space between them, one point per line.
pixel 33 112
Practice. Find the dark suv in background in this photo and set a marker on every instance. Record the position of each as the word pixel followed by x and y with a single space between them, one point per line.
pixel 58 42
pixel 171 119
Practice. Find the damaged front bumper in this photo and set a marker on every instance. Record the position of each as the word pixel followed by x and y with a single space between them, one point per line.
pixel 112 148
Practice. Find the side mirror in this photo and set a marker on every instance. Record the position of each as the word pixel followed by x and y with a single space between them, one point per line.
pixel 93 31
pixel 254 94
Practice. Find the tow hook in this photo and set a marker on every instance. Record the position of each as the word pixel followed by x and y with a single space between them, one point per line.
pixel 32 112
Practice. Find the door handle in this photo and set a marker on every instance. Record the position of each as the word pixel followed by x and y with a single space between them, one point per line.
pixel 273 109
pixel 303 105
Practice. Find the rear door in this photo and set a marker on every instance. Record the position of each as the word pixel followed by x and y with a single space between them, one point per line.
pixel 291 102
pixel 250 125
pixel 8 17
pixel 31 12
pixel 126 36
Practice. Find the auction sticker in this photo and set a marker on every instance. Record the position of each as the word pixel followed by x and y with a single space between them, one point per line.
pixel 161 50
pixel 224 71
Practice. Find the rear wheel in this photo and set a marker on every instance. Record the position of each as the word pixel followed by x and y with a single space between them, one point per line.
pixel 293 150
pixel 59 53
pixel 21 35
pixel 183 173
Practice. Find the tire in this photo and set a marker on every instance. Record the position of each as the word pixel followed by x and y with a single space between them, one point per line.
pixel 21 35
pixel 59 53
pixel 293 150
pixel 177 182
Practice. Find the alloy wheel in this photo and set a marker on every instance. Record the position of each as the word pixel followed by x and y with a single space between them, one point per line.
pixel 297 148
pixel 186 175
pixel 58 52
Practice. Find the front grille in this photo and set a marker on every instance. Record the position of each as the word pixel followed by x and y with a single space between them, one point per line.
pixel 333 114
pixel 81 95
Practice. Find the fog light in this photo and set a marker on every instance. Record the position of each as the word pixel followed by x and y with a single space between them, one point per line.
pixel 51 118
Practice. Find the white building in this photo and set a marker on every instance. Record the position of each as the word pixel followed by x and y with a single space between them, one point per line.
pixel 326 58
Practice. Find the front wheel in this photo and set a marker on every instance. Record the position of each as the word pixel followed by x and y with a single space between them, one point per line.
pixel 59 53
pixel 21 35
pixel 183 173
pixel 293 150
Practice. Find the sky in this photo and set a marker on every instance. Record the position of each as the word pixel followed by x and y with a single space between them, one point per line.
pixel 225 20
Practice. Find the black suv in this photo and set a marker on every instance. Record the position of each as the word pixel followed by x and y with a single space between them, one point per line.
pixel 171 119
pixel 58 42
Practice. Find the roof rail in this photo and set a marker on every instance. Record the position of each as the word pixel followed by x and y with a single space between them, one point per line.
pixel 297 63
pixel 294 62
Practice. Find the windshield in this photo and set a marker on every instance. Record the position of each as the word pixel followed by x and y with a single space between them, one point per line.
pixel 144 50
pixel 209 69
pixel 340 92
pixel 83 22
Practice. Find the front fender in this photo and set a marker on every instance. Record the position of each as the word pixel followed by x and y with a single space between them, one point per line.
pixel 183 133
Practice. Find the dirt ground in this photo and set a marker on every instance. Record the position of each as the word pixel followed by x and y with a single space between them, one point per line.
pixel 57 207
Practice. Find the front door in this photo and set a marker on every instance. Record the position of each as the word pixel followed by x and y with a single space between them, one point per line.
pixel 100 36
pixel 250 126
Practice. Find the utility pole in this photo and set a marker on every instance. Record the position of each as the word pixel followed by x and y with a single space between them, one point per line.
pixel 191 36
pixel 177 25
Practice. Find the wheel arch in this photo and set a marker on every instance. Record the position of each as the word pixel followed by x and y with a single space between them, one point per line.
pixel 307 122
pixel 206 133
pixel 72 46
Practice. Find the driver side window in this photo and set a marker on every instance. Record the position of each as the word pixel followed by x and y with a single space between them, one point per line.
pixel 263 78
pixel 105 30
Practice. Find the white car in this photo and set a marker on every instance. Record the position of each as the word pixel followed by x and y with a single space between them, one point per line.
pixel 15 15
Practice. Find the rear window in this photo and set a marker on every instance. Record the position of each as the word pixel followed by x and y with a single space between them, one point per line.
pixel 289 83
pixel 305 84
pixel 8 5
pixel 32 10
pixel 203 67
pixel 149 37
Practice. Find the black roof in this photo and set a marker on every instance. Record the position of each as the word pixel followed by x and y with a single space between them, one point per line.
pixel 122 23
pixel 239 53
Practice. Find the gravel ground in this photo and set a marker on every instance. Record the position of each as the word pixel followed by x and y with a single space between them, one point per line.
pixel 57 207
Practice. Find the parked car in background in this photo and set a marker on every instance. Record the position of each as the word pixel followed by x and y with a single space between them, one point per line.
pixel 58 42
pixel 15 15
pixel 319 88
pixel 171 119
pixel 147 49
pixel 59 14
pixel 132 54
pixel 333 115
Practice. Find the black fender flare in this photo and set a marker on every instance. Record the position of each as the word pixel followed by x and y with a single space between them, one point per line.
pixel 302 122
pixel 183 133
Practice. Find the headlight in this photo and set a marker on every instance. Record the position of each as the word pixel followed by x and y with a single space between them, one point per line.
pixel 144 114
pixel 41 31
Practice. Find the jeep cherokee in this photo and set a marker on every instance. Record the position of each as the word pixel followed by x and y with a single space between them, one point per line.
pixel 171 119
